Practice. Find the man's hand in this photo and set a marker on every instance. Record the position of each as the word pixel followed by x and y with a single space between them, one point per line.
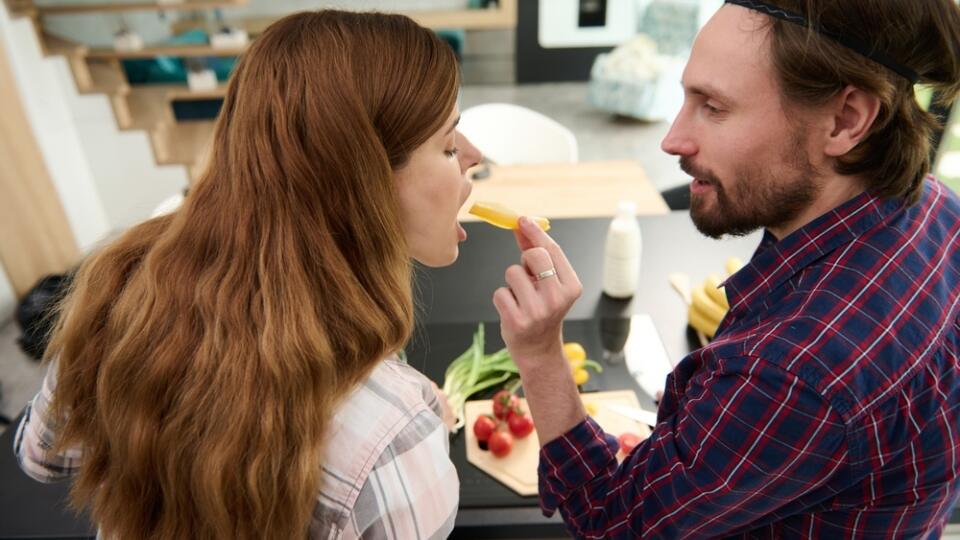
pixel 539 293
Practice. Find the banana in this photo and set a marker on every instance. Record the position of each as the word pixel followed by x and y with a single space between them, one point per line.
pixel 733 265
pixel 503 217
pixel 709 304
pixel 704 304
pixel 701 322
pixel 715 291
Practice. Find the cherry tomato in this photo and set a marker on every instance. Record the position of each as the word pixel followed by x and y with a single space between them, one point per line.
pixel 483 427
pixel 520 425
pixel 503 403
pixel 500 443
pixel 628 441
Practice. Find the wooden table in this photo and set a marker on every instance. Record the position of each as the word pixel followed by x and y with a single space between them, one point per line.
pixel 568 190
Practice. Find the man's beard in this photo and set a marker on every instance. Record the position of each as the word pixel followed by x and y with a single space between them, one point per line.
pixel 755 198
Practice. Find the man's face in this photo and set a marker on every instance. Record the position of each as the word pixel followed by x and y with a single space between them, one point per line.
pixel 751 167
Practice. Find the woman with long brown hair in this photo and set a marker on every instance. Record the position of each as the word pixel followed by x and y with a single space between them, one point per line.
pixel 231 370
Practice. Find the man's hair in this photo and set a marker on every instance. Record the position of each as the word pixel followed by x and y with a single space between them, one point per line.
pixel 923 35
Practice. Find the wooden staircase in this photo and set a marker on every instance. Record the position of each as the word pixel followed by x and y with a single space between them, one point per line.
pixel 149 108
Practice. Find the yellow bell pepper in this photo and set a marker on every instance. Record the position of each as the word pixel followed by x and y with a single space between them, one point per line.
pixel 503 217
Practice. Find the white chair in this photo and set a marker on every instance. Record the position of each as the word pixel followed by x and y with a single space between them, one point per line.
pixel 509 134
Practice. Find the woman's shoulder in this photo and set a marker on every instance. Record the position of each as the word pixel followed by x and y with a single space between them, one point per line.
pixel 373 414
pixel 392 406
pixel 392 390
pixel 405 381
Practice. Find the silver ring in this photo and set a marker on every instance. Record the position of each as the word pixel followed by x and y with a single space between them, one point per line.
pixel 546 273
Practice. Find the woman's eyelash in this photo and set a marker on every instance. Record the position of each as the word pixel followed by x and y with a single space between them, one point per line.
pixel 453 152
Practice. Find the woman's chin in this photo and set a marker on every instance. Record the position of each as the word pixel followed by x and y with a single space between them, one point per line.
pixel 439 260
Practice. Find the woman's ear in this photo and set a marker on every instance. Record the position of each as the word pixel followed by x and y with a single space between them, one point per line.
pixel 854 111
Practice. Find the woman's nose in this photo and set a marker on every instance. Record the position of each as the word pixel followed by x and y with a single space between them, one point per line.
pixel 469 154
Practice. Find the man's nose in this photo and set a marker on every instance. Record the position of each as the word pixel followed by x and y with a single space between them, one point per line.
pixel 678 141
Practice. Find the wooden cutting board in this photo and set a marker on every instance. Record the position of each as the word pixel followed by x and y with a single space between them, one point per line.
pixel 518 469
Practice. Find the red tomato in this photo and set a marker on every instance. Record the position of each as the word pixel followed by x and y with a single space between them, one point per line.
pixel 503 403
pixel 628 441
pixel 500 443
pixel 520 424
pixel 483 427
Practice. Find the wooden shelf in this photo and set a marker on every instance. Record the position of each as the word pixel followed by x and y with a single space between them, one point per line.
pixel 21 8
pixel 504 16
pixel 187 5
pixel 53 44
pixel 185 94
pixel 105 53
pixel 149 106
pixel 181 143
pixel 108 78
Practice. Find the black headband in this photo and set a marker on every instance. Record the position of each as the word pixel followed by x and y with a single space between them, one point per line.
pixel 847 41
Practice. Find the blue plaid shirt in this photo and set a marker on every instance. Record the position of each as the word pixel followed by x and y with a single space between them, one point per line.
pixel 827 406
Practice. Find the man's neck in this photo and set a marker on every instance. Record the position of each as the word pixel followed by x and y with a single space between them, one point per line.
pixel 835 190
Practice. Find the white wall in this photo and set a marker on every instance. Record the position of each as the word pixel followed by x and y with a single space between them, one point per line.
pixel 128 181
pixel 107 179
pixel 45 105
pixel 8 300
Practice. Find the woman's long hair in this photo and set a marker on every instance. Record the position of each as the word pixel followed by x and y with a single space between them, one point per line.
pixel 202 355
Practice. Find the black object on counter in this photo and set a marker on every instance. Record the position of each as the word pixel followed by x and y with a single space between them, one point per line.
pixel 37 313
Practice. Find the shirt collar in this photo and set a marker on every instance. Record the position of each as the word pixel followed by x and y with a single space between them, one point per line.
pixel 775 262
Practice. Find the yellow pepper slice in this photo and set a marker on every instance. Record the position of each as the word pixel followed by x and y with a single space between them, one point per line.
pixel 503 217
pixel 574 351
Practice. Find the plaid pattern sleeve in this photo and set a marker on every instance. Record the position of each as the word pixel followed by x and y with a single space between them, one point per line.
pixel 35 437
pixel 387 472
pixel 749 439
pixel 412 490
pixel 827 406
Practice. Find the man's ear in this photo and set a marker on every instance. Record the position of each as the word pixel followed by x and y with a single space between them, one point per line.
pixel 854 112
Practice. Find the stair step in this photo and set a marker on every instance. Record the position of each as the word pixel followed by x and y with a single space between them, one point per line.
pixel 108 78
pixel 183 143
pixel 148 105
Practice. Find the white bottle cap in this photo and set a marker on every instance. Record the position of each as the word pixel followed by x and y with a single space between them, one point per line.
pixel 626 209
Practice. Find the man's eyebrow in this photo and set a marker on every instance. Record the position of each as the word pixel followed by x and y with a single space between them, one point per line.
pixel 455 122
pixel 708 91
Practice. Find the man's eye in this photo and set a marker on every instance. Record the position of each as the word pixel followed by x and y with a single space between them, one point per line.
pixel 711 109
